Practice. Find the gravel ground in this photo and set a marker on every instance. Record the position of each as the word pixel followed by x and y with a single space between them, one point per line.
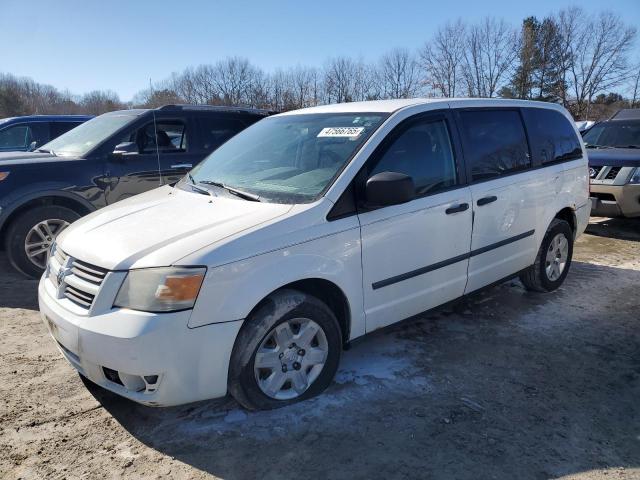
pixel 505 384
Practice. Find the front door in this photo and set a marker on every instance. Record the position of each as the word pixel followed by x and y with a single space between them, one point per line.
pixel 163 157
pixel 415 255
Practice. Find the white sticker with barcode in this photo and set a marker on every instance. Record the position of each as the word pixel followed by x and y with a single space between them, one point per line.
pixel 349 132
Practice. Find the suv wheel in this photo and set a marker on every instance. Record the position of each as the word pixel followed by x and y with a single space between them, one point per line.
pixel 287 351
pixel 553 260
pixel 30 236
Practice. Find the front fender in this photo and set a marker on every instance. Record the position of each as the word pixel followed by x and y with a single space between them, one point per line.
pixel 24 195
pixel 231 291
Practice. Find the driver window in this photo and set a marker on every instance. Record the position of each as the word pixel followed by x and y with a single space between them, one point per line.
pixel 170 137
pixel 422 151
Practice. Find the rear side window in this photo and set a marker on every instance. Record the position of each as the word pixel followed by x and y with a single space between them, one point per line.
pixel 553 138
pixel 422 151
pixel 496 143
pixel 15 137
pixel 58 128
pixel 215 131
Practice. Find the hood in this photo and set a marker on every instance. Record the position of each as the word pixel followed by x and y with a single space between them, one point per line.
pixel 13 158
pixel 614 157
pixel 160 227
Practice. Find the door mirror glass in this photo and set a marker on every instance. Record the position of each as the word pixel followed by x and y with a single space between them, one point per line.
pixel 389 188
pixel 32 146
pixel 125 148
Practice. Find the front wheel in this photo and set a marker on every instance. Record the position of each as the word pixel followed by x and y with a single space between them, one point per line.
pixel 553 260
pixel 30 236
pixel 287 351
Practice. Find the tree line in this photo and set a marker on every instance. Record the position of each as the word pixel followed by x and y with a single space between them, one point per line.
pixel 582 61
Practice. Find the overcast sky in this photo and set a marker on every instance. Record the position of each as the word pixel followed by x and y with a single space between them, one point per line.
pixel 119 45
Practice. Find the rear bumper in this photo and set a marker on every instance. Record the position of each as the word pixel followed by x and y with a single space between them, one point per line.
pixel 615 200
pixel 189 364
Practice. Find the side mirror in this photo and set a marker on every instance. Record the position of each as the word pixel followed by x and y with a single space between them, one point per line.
pixel 32 146
pixel 389 188
pixel 126 148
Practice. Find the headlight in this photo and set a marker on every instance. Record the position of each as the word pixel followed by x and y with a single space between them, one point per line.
pixel 160 289
pixel 635 178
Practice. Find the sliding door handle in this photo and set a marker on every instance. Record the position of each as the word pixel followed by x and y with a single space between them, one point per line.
pixel 457 208
pixel 487 200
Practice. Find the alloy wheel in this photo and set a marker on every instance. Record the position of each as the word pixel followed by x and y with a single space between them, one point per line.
pixel 39 240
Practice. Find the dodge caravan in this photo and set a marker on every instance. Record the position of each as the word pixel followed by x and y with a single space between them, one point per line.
pixel 305 231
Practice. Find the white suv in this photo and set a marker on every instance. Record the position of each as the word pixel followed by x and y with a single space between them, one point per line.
pixel 307 230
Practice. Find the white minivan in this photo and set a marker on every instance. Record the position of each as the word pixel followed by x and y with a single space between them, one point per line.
pixel 306 231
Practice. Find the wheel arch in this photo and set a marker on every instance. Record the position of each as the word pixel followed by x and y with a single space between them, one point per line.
pixel 568 214
pixel 62 199
pixel 326 291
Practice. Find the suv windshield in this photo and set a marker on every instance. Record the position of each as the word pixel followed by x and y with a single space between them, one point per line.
pixel 614 134
pixel 289 158
pixel 85 137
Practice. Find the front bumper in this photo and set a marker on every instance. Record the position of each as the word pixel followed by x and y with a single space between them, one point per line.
pixel 189 364
pixel 615 200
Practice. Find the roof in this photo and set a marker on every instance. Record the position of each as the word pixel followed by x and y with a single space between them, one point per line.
pixel 45 118
pixel 627 114
pixel 217 108
pixel 390 106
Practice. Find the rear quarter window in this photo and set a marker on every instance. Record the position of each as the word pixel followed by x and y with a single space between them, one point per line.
pixel 553 138
pixel 214 131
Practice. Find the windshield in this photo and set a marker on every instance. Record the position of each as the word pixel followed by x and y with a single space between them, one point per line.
pixel 83 138
pixel 613 134
pixel 289 158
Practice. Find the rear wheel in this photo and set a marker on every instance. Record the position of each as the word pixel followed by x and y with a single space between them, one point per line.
pixel 30 236
pixel 287 351
pixel 553 260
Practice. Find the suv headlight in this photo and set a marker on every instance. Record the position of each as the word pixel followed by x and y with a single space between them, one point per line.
pixel 160 289
pixel 635 178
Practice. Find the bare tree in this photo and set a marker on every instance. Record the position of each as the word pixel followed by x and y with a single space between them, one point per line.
pixel 233 78
pixel 442 58
pixel 98 102
pixel 597 50
pixel 348 80
pixel 398 74
pixel 636 85
pixel 491 51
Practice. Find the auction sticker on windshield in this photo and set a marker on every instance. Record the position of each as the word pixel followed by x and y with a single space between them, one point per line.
pixel 349 132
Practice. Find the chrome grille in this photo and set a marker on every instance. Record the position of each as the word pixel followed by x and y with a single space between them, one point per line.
pixel 88 272
pixel 75 280
pixel 612 173
pixel 79 297
pixel 594 172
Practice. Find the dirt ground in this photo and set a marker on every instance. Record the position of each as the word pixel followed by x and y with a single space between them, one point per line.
pixel 504 385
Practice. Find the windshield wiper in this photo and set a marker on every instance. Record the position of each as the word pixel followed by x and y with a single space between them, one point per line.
pixel 234 191
pixel 198 189
pixel 44 150
pixel 627 146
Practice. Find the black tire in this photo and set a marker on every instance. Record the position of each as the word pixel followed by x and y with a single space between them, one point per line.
pixel 19 229
pixel 535 278
pixel 278 308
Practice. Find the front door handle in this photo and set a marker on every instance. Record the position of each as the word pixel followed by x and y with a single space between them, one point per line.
pixel 182 165
pixel 487 200
pixel 457 208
